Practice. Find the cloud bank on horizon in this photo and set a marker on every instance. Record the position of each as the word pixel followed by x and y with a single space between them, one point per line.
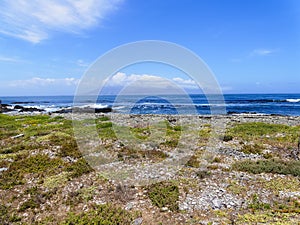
pixel 36 20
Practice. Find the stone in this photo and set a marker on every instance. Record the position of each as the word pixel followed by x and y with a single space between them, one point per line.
pixel 216 203
pixel 137 221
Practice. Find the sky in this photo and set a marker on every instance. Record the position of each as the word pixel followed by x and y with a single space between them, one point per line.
pixel 251 46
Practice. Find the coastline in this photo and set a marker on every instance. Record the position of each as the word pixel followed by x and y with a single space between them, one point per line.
pixel 44 176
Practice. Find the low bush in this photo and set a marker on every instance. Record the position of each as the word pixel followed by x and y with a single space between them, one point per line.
pixel 268 166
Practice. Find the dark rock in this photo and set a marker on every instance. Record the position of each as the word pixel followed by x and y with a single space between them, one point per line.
pixel 85 110
pixel 31 109
pixel 4 108
pixel 18 107
pixel 63 111
pixel 22 102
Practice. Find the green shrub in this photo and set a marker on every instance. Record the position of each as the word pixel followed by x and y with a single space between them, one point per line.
pixel 38 164
pixel 106 214
pixel 268 166
pixel 252 149
pixel 193 162
pixel 256 204
pixel 203 174
pixel 164 194
pixel 227 138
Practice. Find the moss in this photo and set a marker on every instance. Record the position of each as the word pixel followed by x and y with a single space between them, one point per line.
pixel 106 214
pixel 205 133
pixel 4 216
pixel 79 168
pixel 217 160
pixel 164 194
pixel 29 204
pixel 203 174
pixel 172 134
pixel 55 137
pixel 268 217
pixel 278 184
pixel 140 132
pixel 56 180
pixel 252 149
pixel 129 153
pixel 10 178
pixel 268 166
pixel 227 138
pixel 69 148
pixel 7 216
pixel 103 118
pixel 256 204
pixel 237 188
pixel 37 197
pixel 87 193
pixel 38 164
pixel 105 130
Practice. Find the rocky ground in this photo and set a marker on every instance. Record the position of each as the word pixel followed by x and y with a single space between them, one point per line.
pixel 149 169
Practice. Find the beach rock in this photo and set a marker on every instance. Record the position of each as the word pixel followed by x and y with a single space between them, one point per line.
pixel 84 110
pixel 27 109
pixel 18 107
pixel 5 108
pixel 31 109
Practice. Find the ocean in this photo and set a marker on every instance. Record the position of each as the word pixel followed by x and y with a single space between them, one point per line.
pixel 279 104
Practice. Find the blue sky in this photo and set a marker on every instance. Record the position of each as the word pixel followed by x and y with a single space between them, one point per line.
pixel 252 46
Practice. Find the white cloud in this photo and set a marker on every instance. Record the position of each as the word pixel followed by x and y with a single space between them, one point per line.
pixel 145 83
pixel 34 20
pixel 189 83
pixel 9 59
pixel 262 52
pixel 41 82
pixel 121 79
pixel 82 63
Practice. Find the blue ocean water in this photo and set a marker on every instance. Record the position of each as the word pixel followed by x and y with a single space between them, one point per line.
pixel 283 104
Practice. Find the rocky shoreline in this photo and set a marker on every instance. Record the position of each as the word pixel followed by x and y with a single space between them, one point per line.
pixel 16 108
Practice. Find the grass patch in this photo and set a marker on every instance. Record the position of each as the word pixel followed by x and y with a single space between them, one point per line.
pixel 273 134
pixel 105 130
pixel 37 164
pixel 268 166
pixel 106 214
pixel 164 194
